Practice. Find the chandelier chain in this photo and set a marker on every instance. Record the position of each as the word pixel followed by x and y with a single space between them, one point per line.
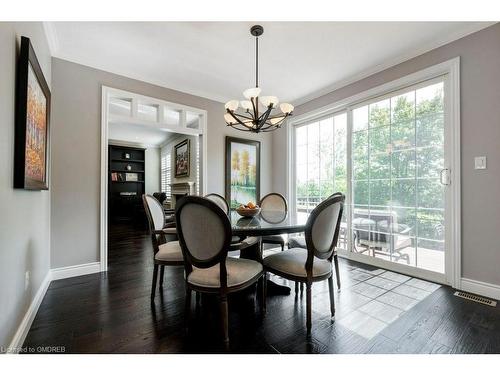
pixel 257 61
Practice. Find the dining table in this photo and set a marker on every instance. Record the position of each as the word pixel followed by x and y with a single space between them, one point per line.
pixel 266 223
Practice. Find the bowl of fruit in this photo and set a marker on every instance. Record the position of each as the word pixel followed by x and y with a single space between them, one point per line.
pixel 248 210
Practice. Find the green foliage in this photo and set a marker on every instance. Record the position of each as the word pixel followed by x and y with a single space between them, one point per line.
pixel 403 109
pixel 395 162
pixel 380 114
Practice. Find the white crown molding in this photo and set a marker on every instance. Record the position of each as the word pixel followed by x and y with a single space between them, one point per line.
pixel 133 75
pixel 436 43
pixel 51 35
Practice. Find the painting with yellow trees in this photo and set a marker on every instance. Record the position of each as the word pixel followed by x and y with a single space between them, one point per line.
pixel 242 171
pixel 32 122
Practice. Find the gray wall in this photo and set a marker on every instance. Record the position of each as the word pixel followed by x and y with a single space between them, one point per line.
pixel 152 169
pixel 76 154
pixel 480 135
pixel 25 218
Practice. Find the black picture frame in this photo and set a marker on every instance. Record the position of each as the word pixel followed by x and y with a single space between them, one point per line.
pixel 229 142
pixel 186 143
pixel 26 141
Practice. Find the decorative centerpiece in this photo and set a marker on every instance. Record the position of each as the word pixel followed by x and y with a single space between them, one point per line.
pixel 248 210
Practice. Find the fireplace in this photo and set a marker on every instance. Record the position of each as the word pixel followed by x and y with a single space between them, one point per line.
pixel 181 189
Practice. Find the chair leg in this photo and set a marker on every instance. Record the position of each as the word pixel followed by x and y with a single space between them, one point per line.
pixel 337 273
pixel 264 293
pixel 198 297
pixel 155 278
pixel 282 246
pixel 187 306
pixel 296 287
pixel 162 272
pixel 225 318
pixel 301 287
pixel 308 307
pixel 332 299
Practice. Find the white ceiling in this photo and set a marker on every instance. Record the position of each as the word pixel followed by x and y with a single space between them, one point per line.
pixel 298 60
pixel 149 136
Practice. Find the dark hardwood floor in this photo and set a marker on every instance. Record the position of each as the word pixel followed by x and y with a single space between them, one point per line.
pixel 377 312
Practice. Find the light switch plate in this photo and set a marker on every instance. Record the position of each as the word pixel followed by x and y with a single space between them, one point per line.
pixel 480 162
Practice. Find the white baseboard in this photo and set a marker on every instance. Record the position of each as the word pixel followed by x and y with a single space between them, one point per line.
pixel 53 274
pixel 25 325
pixel 73 271
pixel 481 288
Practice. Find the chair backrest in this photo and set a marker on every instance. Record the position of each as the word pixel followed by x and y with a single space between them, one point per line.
pixel 274 202
pixel 154 212
pixel 338 193
pixel 323 226
pixel 204 232
pixel 219 200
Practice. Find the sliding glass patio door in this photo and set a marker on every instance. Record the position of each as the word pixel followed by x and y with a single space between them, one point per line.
pixel 389 156
pixel 398 166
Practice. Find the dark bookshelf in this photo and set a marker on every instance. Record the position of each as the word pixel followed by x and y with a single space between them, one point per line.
pixel 126 177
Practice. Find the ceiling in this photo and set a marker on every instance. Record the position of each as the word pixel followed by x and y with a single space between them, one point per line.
pixel 298 60
pixel 149 136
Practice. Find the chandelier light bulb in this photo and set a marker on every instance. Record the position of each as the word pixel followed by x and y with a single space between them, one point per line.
pixel 246 105
pixel 269 101
pixel 229 119
pixel 286 108
pixel 276 120
pixel 252 93
pixel 232 105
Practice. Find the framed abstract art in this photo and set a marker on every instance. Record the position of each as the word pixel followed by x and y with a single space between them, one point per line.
pixel 31 145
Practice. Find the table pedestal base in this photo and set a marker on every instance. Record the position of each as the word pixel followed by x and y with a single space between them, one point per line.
pixel 274 289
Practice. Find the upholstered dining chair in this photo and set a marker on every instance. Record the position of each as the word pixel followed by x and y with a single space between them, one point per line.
pixel 220 201
pixel 165 253
pixel 315 262
pixel 295 242
pixel 237 243
pixel 205 236
pixel 274 202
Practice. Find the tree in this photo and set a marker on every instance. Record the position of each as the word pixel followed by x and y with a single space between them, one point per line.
pixel 235 161
pixel 401 154
pixel 252 171
pixel 244 172
pixel 395 161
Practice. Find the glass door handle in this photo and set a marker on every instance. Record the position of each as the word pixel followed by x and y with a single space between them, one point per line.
pixel 444 176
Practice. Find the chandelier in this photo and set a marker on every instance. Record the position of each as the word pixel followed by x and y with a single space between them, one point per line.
pixel 248 117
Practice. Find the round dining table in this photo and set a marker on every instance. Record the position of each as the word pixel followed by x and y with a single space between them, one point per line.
pixel 266 223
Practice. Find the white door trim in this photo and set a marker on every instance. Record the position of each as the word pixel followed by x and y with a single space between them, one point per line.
pixel 451 69
pixel 106 94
